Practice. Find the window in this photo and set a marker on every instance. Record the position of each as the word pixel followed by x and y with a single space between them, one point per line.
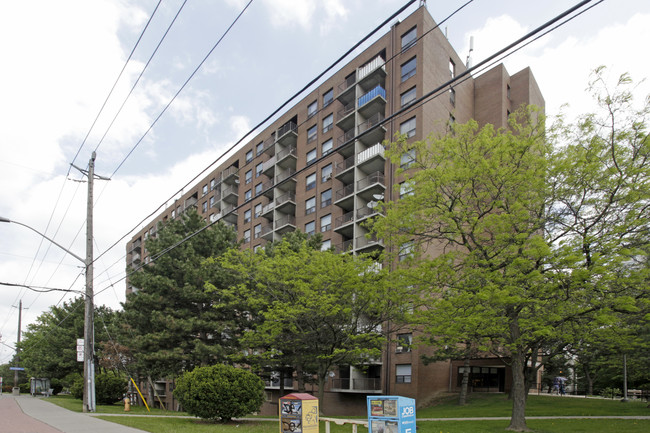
pixel 452 119
pixel 405 251
pixel 310 205
pixel 408 69
pixel 409 38
pixel 328 123
pixel 173 214
pixel 326 198
pixel 508 90
pixel 213 184
pixel 259 148
pixel 205 189
pixel 247 236
pixel 248 195
pixel 452 68
pixel 326 147
pixel 328 97
pixel 311 156
pixel 408 97
pixel 256 247
pixel 312 134
pixel 258 189
pixel 249 156
pixel 258 210
pixel 310 228
pixel 405 189
pixel 404 342
pixel 326 245
pixel 257 231
pixel 258 169
pixel 204 207
pixel 403 373
pixel 452 97
pixel 407 159
pixel 326 223
pixel 312 109
pixel 311 181
pixel 326 173
pixel 408 127
pixel 249 176
pixel 212 201
pixel 247 216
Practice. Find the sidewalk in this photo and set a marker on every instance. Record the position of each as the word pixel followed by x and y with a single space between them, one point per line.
pixel 27 414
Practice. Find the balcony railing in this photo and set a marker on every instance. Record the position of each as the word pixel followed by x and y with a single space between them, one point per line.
pixel 344 165
pixel 286 152
pixel 349 135
pixel 363 241
pixel 287 174
pixel 344 219
pixel 230 171
pixel 286 128
pixel 372 121
pixel 285 220
pixel 289 196
pixel 376 177
pixel 345 191
pixel 344 246
pixel 347 109
pixel 377 149
pixel 357 384
pixel 377 91
pixel 347 83
pixel 369 67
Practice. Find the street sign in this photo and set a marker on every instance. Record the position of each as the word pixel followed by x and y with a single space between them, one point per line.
pixel 80 349
pixel 17 368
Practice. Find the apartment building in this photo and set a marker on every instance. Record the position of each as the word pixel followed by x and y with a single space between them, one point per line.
pixel 319 166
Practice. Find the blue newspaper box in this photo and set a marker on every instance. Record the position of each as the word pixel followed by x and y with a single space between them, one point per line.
pixel 391 414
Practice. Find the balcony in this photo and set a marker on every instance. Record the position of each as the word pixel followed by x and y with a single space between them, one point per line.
pixel 372 129
pixel 372 159
pixel 230 175
pixel 268 168
pixel 267 189
pixel 360 385
pixel 269 145
pixel 267 232
pixel 366 212
pixel 342 146
pixel 343 170
pixel 371 185
pixel 229 213
pixel 345 117
pixel 137 245
pixel 287 174
pixel 374 69
pixel 287 134
pixel 368 242
pixel 268 209
pixel 373 102
pixel 345 224
pixel 285 223
pixel 286 202
pixel 344 246
pixel 346 89
pixel 230 194
pixel 344 197
pixel 286 158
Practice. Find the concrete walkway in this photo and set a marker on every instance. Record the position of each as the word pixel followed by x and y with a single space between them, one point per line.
pixel 27 414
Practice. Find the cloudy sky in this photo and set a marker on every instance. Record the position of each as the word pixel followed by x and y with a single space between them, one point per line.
pixel 60 60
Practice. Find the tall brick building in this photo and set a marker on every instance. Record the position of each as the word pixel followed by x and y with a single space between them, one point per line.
pixel 320 163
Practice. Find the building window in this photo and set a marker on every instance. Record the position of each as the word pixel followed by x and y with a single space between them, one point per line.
pixel 173 214
pixel 259 148
pixel 452 96
pixel 326 147
pixel 408 97
pixel 249 156
pixel 312 133
pixel 310 205
pixel 326 223
pixel 326 245
pixel 258 210
pixel 408 69
pixel 408 128
pixel 328 123
pixel 326 198
pixel 249 176
pixel 247 216
pixel 310 228
pixel 326 173
pixel 258 189
pixel 204 206
pixel 311 156
pixel 407 159
pixel 409 38
pixel 213 184
pixel 508 90
pixel 257 231
pixel 452 68
pixel 405 189
pixel 328 97
pixel 258 169
pixel 311 181
pixel 256 248
pixel 205 189
pixel 247 236
pixel 405 251
pixel 404 343
pixel 212 201
pixel 483 377
pixel 312 109
pixel 403 373
pixel 452 119
pixel 248 195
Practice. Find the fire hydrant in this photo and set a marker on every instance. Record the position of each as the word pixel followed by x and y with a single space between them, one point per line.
pixel 127 404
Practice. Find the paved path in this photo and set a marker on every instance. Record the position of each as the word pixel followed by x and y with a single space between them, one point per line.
pixel 27 414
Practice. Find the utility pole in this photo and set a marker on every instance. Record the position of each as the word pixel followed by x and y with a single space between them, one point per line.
pixel 16 389
pixel 89 326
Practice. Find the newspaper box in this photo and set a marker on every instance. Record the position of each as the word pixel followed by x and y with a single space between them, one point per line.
pixel 299 413
pixel 391 414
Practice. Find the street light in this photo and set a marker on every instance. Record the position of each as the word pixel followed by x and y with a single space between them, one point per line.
pixel 89 367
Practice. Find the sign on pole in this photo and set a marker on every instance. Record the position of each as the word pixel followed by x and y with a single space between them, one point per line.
pixel 80 349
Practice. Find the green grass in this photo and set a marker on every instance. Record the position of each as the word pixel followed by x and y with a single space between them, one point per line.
pixel 76 405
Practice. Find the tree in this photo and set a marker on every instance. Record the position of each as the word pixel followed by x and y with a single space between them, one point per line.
pixel 174 323
pixel 522 241
pixel 313 310
pixel 220 392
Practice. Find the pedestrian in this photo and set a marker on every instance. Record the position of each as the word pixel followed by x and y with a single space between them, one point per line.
pixel 556 385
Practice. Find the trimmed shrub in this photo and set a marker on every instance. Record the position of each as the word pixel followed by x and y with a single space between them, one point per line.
pixel 109 388
pixel 220 392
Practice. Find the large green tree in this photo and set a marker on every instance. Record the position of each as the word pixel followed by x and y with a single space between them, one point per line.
pixel 173 323
pixel 312 310
pixel 522 242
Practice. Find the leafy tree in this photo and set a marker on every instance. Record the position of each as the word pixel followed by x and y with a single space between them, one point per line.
pixel 174 323
pixel 314 310
pixel 523 243
pixel 109 387
pixel 220 392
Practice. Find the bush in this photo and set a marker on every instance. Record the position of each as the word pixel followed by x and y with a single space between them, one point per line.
pixel 219 392
pixel 109 388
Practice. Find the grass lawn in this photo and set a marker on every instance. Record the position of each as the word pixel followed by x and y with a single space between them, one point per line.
pixel 76 405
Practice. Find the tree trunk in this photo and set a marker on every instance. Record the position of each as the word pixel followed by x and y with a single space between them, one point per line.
pixel 301 378
pixel 590 381
pixel 462 399
pixel 321 391
pixel 518 394
pixel 281 382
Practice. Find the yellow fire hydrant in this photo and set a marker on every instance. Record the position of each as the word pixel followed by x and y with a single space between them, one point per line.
pixel 127 404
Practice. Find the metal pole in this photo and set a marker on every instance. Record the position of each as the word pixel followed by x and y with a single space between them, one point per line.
pixel 20 311
pixel 89 332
